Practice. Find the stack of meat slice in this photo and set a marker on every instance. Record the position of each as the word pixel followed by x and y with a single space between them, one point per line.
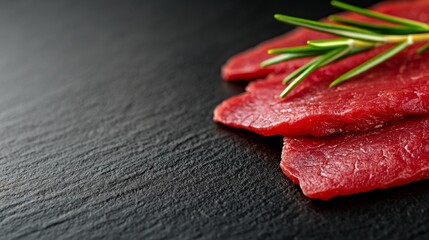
pixel 369 133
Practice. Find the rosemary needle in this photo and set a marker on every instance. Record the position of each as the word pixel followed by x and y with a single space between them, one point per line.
pixel 378 28
pixel 423 49
pixel 381 16
pixel 357 36
pixel 320 62
pixel 285 57
pixel 371 63
pixel 348 32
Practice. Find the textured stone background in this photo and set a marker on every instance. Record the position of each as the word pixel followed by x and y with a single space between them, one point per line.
pixel 106 131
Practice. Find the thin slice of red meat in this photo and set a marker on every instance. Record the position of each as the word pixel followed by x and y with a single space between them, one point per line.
pixel 390 91
pixel 245 66
pixel 352 163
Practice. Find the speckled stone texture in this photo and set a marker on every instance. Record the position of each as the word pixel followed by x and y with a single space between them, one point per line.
pixel 106 130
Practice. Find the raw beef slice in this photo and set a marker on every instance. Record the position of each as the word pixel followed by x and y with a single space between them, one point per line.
pixel 394 89
pixel 245 66
pixel 352 163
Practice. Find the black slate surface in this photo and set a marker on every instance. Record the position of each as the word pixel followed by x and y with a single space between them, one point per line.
pixel 106 131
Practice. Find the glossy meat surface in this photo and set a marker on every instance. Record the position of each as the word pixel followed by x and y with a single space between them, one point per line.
pixel 394 89
pixel 352 163
pixel 245 65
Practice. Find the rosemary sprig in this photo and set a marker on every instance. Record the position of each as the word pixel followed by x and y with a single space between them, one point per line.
pixel 356 36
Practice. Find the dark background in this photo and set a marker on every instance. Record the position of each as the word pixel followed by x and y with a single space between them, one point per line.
pixel 106 130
